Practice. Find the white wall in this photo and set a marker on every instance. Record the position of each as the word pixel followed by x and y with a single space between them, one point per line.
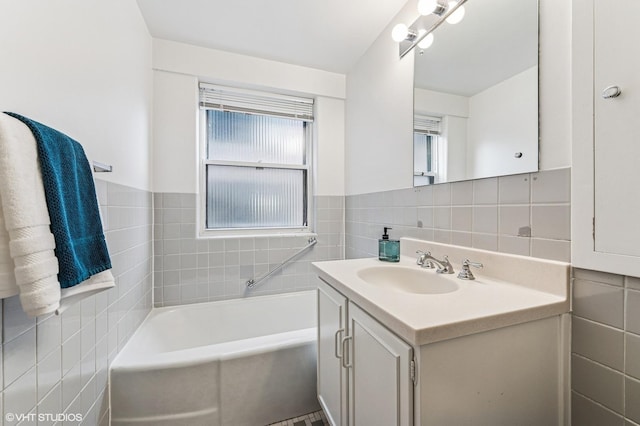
pixel 431 102
pixel 555 84
pixel 379 132
pixel 455 135
pixel 178 68
pixel 329 155
pixel 503 119
pixel 83 68
pixel 175 142
pixel 380 105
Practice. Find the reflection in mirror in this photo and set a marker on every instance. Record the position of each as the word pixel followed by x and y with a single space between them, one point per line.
pixel 476 94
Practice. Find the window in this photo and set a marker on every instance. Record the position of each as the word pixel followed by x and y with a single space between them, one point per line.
pixel 256 161
pixel 425 149
pixel 425 156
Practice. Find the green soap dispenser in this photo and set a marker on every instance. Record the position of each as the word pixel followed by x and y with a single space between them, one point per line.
pixel 388 250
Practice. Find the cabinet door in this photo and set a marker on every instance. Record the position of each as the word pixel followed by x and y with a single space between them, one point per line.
pixel 606 136
pixel 332 380
pixel 617 130
pixel 380 385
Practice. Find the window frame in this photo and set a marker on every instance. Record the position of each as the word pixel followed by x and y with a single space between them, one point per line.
pixel 432 142
pixel 430 126
pixel 204 232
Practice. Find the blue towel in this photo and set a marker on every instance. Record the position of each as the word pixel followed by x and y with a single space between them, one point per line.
pixel 73 208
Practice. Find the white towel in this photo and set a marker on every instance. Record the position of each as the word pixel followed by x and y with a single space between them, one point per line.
pixel 8 286
pixel 26 231
pixel 26 221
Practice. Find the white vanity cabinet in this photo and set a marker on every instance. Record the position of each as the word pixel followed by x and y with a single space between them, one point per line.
pixel 395 349
pixel 606 136
pixel 364 370
pixel 368 376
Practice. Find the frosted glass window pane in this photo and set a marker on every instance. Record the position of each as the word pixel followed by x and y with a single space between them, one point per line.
pixel 234 136
pixel 249 197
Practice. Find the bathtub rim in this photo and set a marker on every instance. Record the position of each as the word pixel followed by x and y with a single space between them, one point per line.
pixel 126 361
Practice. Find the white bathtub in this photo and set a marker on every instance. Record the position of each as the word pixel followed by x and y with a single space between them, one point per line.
pixel 230 363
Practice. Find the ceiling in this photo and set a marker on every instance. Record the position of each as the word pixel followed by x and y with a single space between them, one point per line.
pixel 325 34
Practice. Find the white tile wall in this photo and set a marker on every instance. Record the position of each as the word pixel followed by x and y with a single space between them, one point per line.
pixel 462 193
pixel 632 355
pixel 599 302
pixel 632 397
pixel 597 382
pixel 485 213
pixel 598 342
pixel 514 189
pixel 586 413
pixel 191 270
pixel 58 364
pixel 606 349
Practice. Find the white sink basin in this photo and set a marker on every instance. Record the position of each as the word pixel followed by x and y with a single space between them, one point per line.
pixel 408 280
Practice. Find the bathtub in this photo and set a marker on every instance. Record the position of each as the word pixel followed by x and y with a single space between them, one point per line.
pixel 230 363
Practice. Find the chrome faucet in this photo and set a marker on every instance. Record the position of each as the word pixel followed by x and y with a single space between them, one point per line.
pixel 422 260
pixel 425 260
pixel 465 272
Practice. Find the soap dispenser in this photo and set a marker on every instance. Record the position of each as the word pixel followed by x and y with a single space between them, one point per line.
pixel 388 250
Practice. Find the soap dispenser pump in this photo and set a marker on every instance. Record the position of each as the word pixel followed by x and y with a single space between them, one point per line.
pixel 388 250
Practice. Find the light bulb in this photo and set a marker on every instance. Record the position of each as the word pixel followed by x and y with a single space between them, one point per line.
pixel 399 33
pixel 425 7
pixel 426 42
pixel 456 16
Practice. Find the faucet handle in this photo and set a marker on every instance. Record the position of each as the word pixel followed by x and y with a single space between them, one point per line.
pixel 465 273
pixel 467 263
pixel 422 257
pixel 424 260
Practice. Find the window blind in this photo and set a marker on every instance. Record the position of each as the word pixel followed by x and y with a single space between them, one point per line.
pixel 426 124
pixel 253 102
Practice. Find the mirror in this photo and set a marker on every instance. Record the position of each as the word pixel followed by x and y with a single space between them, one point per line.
pixel 476 94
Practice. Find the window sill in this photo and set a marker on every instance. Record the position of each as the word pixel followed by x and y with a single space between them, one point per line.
pixel 254 233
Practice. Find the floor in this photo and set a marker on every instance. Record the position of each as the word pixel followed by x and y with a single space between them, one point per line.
pixel 312 419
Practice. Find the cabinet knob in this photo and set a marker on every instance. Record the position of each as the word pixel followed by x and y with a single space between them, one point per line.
pixel 611 92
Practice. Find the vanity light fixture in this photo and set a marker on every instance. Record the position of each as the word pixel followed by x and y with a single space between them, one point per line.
pixel 427 7
pixel 456 16
pixel 427 41
pixel 432 14
pixel 401 33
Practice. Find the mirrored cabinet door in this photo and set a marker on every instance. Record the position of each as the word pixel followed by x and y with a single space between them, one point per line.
pixel 476 94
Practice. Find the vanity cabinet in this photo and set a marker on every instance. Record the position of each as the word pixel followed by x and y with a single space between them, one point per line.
pixel 606 136
pixel 488 353
pixel 364 370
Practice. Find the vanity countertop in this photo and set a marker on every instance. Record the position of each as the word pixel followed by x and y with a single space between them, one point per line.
pixel 508 290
